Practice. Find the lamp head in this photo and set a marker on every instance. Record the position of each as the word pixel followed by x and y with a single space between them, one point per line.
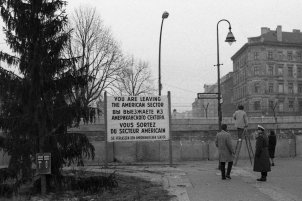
pixel 165 15
pixel 230 38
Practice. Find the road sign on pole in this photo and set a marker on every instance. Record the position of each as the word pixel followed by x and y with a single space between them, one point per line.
pixel 207 95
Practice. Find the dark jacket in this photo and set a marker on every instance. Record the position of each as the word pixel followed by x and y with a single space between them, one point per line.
pixel 272 141
pixel 262 162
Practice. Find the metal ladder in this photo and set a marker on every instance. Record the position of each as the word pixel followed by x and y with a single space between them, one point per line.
pixel 248 146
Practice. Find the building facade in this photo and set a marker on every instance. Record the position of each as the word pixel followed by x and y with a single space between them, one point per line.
pixel 267 73
pixel 206 108
pixel 209 107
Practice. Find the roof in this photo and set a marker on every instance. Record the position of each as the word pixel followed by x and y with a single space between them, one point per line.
pixel 270 38
pixel 287 37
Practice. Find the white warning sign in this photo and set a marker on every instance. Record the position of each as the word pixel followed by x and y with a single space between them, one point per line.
pixel 137 118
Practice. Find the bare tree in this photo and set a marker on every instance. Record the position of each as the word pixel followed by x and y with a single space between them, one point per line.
pixel 135 79
pixel 205 107
pixel 99 55
pixel 273 108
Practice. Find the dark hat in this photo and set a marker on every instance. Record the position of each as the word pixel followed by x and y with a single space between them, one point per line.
pixel 260 127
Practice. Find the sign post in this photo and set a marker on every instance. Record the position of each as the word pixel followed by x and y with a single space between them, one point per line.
pixel 170 136
pixel 106 134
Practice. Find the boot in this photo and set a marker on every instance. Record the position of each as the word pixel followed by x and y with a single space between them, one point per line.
pixel 263 176
pixel 262 179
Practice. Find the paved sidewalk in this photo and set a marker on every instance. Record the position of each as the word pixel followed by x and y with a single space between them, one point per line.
pixel 284 182
pixel 201 181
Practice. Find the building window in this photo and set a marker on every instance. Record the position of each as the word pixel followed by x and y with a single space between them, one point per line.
pixel 299 71
pixel 291 105
pixel 280 70
pixel 281 106
pixel 241 76
pixel 290 71
pixel 257 105
pixel 256 70
pixel 300 105
pixel 271 88
pixel 270 55
pixel 256 56
pixel 281 88
pixel 240 62
pixel 280 55
pixel 289 56
pixel 299 56
pixel 257 88
pixel 290 88
pixel 300 88
pixel 271 105
pixel 271 70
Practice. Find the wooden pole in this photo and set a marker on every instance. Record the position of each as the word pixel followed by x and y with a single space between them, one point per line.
pixel 43 176
pixel 106 132
pixel 170 136
pixel 41 126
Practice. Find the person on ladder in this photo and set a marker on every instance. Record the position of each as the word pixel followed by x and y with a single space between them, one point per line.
pixel 241 121
pixel 226 152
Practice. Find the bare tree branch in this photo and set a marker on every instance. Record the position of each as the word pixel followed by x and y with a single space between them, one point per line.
pixel 100 55
pixel 135 79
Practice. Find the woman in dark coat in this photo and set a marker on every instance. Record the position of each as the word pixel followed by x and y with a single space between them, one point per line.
pixel 272 141
pixel 262 162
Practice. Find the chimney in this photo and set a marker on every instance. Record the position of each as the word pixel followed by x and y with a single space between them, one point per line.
pixel 264 30
pixel 296 30
pixel 279 33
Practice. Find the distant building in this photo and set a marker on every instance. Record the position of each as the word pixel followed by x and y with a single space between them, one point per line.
pixel 209 107
pixel 182 115
pixel 267 73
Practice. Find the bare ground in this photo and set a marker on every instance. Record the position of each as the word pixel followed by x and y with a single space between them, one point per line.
pixel 129 189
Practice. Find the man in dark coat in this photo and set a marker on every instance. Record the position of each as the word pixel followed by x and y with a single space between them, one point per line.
pixel 224 143
pixel 262 162
pixel 272 141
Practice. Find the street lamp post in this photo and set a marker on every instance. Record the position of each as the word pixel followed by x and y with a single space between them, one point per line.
pixel 164 16
pixel 230 39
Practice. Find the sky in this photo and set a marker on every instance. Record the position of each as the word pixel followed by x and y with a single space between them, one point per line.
pixel 189 41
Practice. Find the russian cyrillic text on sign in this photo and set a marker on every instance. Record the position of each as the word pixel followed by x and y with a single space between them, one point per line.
pixel 137 118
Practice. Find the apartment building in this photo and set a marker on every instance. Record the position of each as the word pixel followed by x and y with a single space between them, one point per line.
pixel 267 73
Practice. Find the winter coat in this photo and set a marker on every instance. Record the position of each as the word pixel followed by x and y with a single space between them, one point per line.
pixel 272 141
pixel 240 118
pixel 262 162
pixel 225 148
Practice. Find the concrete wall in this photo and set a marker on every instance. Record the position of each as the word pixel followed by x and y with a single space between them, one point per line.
pixel 158 151
pixel 193 139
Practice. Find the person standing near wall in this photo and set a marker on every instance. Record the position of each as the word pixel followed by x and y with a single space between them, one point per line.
pixel 226 152
pixel 241 121
pixel 261 161
pixel 272 141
